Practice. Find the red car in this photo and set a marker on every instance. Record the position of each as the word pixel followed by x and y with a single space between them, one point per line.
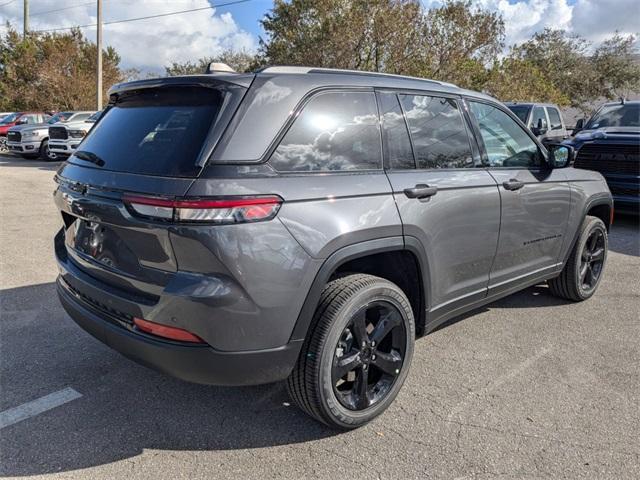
pixel 18 118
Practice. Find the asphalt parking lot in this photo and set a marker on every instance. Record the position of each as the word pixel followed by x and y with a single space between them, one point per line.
pixel 528 387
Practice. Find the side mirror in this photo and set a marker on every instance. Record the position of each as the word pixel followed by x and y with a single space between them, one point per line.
pixel 22 121
pixel 560 155
pixel 579 126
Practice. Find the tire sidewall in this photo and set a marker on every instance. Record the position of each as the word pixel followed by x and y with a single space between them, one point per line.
pixel 341 415
pixel 592 225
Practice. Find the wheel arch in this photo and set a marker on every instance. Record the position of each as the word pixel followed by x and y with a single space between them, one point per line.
pixel 374 257
pixel 600 206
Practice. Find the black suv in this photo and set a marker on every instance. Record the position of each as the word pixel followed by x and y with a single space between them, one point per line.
pixel 609 143
pixel 308 224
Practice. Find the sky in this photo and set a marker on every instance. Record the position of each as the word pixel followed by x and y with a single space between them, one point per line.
pixel 153 43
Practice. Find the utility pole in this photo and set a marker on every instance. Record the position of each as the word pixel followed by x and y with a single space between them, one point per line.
pixel 99 65
pixel 25 28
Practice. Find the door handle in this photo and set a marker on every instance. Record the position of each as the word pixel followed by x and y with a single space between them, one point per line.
pixel 513 184
pixel 421 191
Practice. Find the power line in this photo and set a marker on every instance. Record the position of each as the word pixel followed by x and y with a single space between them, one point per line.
pixel 7 3
pixel 144 18
pixel 62 9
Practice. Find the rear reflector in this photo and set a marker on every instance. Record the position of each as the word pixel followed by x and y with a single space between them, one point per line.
pixel 225 211
pixel 166 332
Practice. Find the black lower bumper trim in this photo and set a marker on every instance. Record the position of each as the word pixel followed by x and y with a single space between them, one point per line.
pixel 198 364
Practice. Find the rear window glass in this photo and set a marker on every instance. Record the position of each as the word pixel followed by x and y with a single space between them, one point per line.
pixel 334 131
pixel 521 111
pixel 157 131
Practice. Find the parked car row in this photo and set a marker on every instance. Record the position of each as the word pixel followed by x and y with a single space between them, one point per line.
pixel 40 135
pixel 608 142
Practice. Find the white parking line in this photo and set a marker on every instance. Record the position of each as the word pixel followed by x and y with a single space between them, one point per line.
pixel 38 406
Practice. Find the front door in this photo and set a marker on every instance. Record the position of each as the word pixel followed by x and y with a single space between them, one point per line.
pixel 447 204
pixel 535 199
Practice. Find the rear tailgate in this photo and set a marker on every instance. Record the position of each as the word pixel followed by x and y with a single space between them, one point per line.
pixel 104 239
pixel 151 140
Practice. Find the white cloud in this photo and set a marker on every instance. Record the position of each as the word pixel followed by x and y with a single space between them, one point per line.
pixel 594 20
pixel 146 44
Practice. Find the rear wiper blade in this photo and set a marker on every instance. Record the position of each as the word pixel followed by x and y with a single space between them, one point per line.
pixel 89 157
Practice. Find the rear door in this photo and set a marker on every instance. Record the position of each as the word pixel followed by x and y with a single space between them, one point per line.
pixel 535 199
pixel 448 205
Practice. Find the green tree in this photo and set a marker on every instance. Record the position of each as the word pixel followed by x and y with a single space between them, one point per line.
pixel 374 35
pixel 617 67
pixel 239 60
pixel 54 71
pixel 460 42
pixel 520 80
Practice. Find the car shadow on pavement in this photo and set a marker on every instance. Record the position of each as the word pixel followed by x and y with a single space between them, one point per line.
pixel 12 161
pixel 125 408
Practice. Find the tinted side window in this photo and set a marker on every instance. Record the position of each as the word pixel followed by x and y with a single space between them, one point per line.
pixel 395 136
pixel 507 144
pixel 538 114
pixel 438 133
pixel 554 118
pixel 335 131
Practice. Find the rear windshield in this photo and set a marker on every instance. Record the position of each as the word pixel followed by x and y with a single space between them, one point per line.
pixel 158 131
pixel 521 111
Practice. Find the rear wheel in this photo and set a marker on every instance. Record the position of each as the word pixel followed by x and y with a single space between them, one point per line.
pixel 357 354
pixel 3 144
pixel 582 273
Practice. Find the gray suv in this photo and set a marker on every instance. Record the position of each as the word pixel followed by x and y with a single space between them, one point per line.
pixel 308 225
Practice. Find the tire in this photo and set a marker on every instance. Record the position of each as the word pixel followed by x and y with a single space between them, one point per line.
pixel 583 271
pixel 3 145
pixel 45 153
pixel 335 342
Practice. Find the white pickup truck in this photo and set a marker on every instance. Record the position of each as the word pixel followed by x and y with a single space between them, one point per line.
pixel 65 138
pixel 32 140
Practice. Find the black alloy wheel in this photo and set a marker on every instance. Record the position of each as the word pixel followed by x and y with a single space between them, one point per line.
pixel 592 259
pixel 584 268
pixel 369 356
pixel 357 352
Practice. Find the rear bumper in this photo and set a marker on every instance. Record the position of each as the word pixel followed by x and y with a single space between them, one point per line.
pixel 626 204
pixel 193 363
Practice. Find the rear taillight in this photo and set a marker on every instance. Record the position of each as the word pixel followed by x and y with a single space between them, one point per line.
pixel 165 331
pixel 223 211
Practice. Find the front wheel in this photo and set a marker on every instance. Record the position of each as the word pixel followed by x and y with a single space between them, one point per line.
pixel 357 353
pixel 46 154
pixel 3 145
pixel 582 273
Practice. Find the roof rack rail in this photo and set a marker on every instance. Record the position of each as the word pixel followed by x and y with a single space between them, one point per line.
pixel 338 71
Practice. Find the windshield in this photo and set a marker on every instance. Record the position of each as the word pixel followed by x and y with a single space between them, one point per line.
pixel 59 117
pixel 620 115
pixel 94 118
pixel 521 111
pixel 10 118
pixel 157 131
